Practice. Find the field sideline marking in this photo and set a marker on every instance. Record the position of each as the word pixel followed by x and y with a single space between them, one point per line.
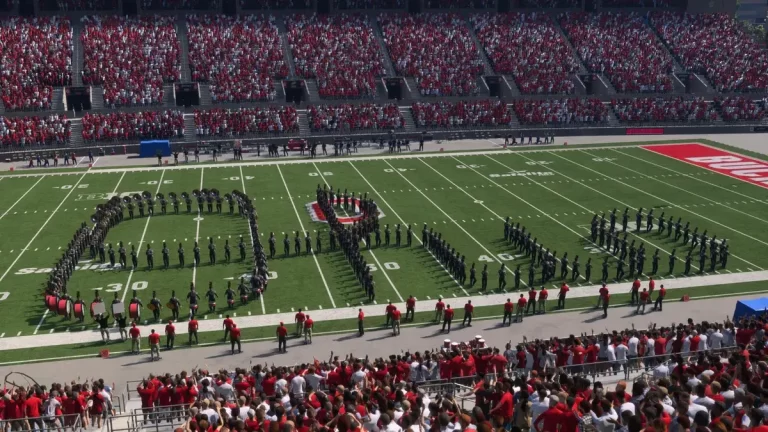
pixel 668 202
pixel 242 180
pixel 490 254
pixel 418 239
pixel 38 233
pixel 606 195
pixel 383 270
pixel 197 233
pixel 314 256
pixel 141 241
pixel 711 184
pixel 22 197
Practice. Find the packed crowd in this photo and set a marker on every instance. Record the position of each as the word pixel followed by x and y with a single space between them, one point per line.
pixel 125 126
pixel 659 110
pixel 713 44
pixel 78 5
pixel 459 4
pixel 341 51
pixel 641 3
pixel 740 108
pixel 560 112
pixel 530 48
pixel 27 131
pixel 621 46
pixel 436 49
pixel 550 3
pixel 131 57
pixel 368 4
pixel 178 4
pixel 276 4
pixel 246 121
pixel 239 56
pixel 35 54
pixel 484 113
pixel 347 117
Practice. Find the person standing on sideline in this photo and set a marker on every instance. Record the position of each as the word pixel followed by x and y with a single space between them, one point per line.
pixel 520 308
pixel 468 312
pixel 395 322
pixel 281 333
pixel 543 294
pixel 135 339
pixel 508 308
pixel 561 295
pixel 360 325
pixel 643 300
pixel 439 307
pixel 228 324
pixel 154 345
pixel 192 326
pixel 660 298
pixel 308 326
pixel 234 338
pixel 410 308
pixel 170 335
pixel 447 318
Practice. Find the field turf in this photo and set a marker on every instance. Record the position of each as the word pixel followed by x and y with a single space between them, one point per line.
pixel 465 197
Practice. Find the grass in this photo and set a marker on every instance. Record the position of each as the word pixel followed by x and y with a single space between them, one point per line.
pixel 465 197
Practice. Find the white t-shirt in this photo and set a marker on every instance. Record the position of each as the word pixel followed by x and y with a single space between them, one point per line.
pixel 313 380
pixel 693 408
pixel 49 408
pixel 393 427
pixel 297 385
pixel 621 352
pixel 610 353
pixel 627 406
pixel 705 401
pixel 703 342
pixel 716 340
pixel 358 377
pixel 416 374
pixel 213 416
pixel 632 345
pixel 226 391
pixel 371 424
pixel 539 407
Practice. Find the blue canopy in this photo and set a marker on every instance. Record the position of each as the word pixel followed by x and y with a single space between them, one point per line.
pixel 745 308
pixel 151 148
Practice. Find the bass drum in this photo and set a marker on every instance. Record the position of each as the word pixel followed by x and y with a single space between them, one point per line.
pixel 134 311
pixel 51 303
pixel 64 307
pixel 79 310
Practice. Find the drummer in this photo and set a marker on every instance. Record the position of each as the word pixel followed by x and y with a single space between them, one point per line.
pixel 115 301
pixel 68 298
pixel 155 306
pixel 212 296
pixel 243 291
pixel 174 305
pixel 97 299
pixel 193 297
pixel 79 301
pixel 230 293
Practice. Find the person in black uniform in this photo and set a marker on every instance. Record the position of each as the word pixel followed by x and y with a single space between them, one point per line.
pixel 484 278
pixel 702 260
pixel 672 259
pixel 209 202
pixel 241 248
pixel 297 244
pixel 688 259
pixel 141 208
pixel 575 270
pixel 174 305
pixel 196 254
pixel 192 297
pixel 517 277
pixel 180 251
pixel 212 296
pixel 662 224
pixel 163 205
pixel 588 269
pixel 286 245
pixel 134 257
pixel 398 231
pixel 227 251
pixel 386 235
pixel 218 204
pixel 230 295
pixel 319 243
pixel 175 203
pixel 307 243
pixel 188 203
pixel 409 236
pixel 211 251
pixel 472 276
pixel 563 266
pixel 111 256
pixel 620 269
pixel 150 257
pixel 502 277
pixel 272 249
pixel 130 209
pixel 156 306
pixel 121 252
pixel 102 253
pixel 166 256
pixel 605 270
pixel 655 262
pixel 377 232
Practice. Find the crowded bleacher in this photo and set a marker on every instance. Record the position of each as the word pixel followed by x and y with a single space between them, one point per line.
pixel 275 4
pixel 530 48
pixel 436 49
pixel 561 112
pixel 462 114
pixel 657 110
pixel 239 56
pixel 125 126
pixel 639 3
pixel 36 130
pixel 78 5
pixel 177 4
pixel 368 4
pixel 714 45
pixel 341 51
pixel 36 55
pixel 459 4
pixel 550 3
pixel 347 117
pixel 131 57
pixel 623 47
pixel 733 109
pixel 246 121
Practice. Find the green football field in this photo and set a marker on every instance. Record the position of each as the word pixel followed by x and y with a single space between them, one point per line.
pixel 553 193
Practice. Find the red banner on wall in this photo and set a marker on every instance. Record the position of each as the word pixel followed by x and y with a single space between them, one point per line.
pixel 733 165
pixel 645 131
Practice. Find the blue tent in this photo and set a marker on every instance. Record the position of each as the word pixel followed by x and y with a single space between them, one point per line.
pixel 150 148
pixel 745 308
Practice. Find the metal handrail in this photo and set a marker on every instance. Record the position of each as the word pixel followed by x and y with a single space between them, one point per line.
pixel 109 424
pixel 76 424
pixel 161 417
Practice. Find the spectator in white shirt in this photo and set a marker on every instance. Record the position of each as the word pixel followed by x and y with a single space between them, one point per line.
pixel 540 404
pixel 702 399
pixel 716 339
pixel 389 424
pixel 298 385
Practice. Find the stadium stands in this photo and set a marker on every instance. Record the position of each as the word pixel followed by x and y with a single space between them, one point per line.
pixel 436 49
pixel 36 54
pixel 176 4
pixel 637 3
pixel 346 117
pixel 238 56
pixel 461 114
pixel 459 4
pixel 37 130
pixel 562 112
pixel 623 47
pixel 733 109
pixel 78 5
pixel 132 57
pixel 341 51
pixel 275 4
pixel 530 48
pixel 246 121
pixel 124 126
pixel 657 110
pixel 368 4
pixel 541 4
pixel 714 45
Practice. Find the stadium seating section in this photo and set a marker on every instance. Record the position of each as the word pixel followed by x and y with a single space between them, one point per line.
pixel 125 126
pixel 462 114
pixel 436 49
pixel 714 45
pixel 459 4
pixel 368 4
pixel 346 117
pixel 275 4
pixel 664 110
pixel 623 47
pixel 36 130
pixel 734 109
pixel 562 112
pixel 79 5
pixel 240 57
pixel 130 57
pixel 341 51
pixel 246 121
pixel 530 48
pixel 176 4
pixel 36 54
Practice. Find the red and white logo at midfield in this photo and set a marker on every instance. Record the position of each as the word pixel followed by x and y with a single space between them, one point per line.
pixel 354 214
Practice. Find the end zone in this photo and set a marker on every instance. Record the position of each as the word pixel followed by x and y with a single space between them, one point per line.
pixel 734 165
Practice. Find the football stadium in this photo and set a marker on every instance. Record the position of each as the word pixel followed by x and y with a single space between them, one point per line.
pixel 383 215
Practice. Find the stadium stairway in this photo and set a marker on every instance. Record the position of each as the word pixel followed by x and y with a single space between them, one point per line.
pixel 205 95
pixel 169 101
pixel 512 85
pixel 582 68
pixel 76 129
pixel 97 98
pixel 383 47
pixel 57 100
pixel 287 53
pixel 313 95
pixel 181 32
pixel 189 125
pixel 77 54
pixel 303 123
pixel 410 125
pixel 413 88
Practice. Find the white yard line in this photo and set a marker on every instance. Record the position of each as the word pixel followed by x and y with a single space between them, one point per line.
pixel 381 267
pixel 629 231
pixel 693 193
pixel 670 203
pixel 417 237
pixel 693 177
pixel 490 254
pixel 141 241
pixel 22 197
pixel 301 224
pixel 242 180
pixel 197 232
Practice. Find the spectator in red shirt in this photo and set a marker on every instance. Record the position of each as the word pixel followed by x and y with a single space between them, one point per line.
pixel 468 312
pixel 281 333
pixel 561 295
pixel 660 298
pixel 192 327
pixel 360 325
pixel 410 308
pixel 551 419
pixel 170 334
pixel 395 314
pixel 531 301
pixel 135 334
pixel 154 345
pixel 508 309
pixel 521 302
pixel 504 409
pixel 299 319
pixel 234 338
pixel 447 317
pixel 439 307
pixel 33 406
pixel 308 326
pixel 227 325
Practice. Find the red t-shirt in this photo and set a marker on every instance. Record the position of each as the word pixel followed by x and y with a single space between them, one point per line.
pixel 395 314
pixel 564 289
pixel 308 323
pixel 154 338
pixel 578 354
pixel 636 285
pixel 468 308
pixel 651 285
pixel 32 406
pixel 300 317
pixel 192 325
pixel 268 384
pixel 134 332
pixel 228 323
pixel 521 302
pixel 360 316
pixel 505 406
pixel 603 292
pixel 440 306
pixel 389 309
pixel 532 295
pixel 449 313
pixel 170 330
pixel 410 303
pixel 282 331
pixel 662 292
pixel 549 420
pixel 543 294
pixel 234 334
pixel 644 295
pixel 164 396
pixel 508 306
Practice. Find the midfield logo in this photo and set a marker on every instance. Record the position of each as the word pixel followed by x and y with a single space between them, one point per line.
pixel 354 214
